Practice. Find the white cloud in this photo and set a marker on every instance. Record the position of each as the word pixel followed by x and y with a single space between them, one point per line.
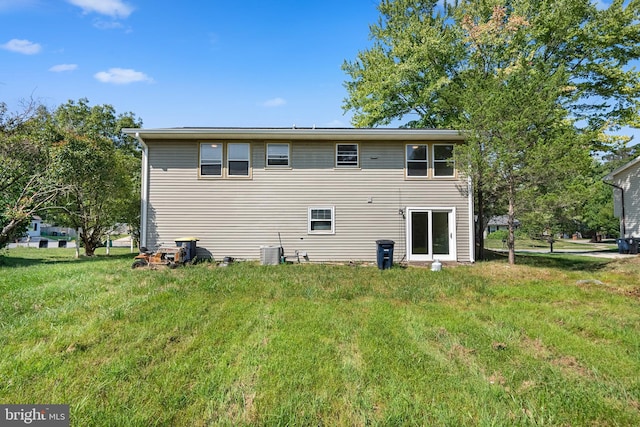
pixel 22 46
pixel 113 8
pixel 10 5
pixel 63 67
pixel 275 102
pixel 122 76
pixel 107 25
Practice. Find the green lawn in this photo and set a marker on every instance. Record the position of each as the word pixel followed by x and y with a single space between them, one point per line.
pixel 552 341
pixel 558 244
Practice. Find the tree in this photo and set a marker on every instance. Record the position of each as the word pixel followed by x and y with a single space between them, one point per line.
pixel 530 81
pixel 416 53
pixel 98 164
pixel 516 117
pixel 26 184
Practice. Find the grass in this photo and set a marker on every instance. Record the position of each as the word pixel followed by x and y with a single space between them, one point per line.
pixel 552 341
pixel 558 244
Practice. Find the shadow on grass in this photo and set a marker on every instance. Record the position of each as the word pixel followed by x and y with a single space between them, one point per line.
pixel 30 257
pixel 560 261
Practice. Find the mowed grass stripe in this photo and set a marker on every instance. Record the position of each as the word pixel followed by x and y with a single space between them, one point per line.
pixel 487 344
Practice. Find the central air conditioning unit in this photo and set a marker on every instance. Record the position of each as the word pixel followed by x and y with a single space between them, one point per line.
pixel 270 255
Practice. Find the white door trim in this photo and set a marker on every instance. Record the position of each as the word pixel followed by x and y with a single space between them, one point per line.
pixel 453 253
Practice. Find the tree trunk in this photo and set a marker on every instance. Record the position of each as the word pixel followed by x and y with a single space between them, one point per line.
pixel 7 232
pixel 511 238
pixel 89 245
pixel 77 243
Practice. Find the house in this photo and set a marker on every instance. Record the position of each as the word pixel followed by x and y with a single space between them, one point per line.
pixel 626 197
pixel 331 193
pixel 500 222
pixel 34 227
pixel 49 230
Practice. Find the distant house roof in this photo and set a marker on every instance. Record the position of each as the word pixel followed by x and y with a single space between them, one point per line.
pixel 502 220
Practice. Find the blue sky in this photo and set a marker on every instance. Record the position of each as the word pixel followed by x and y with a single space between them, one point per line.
pixel 186 63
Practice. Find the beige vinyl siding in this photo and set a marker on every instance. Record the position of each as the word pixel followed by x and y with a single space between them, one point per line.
pixel 629 180
pixel 234 217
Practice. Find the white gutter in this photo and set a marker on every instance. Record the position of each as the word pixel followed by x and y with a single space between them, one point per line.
pixel 144 190
pixel 319 134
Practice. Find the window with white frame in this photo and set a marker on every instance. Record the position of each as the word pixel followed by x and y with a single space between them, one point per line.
pixel 211 159
pixel 347 155
pixel 238 163
pixel 443 163
pixel 417 164
pixel 277 155
pixel 321 220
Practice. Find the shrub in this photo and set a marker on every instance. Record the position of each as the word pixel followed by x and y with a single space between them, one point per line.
pixel 498 235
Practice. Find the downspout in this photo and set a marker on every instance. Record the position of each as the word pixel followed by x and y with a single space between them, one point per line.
pixel 622 221
pixel 144 191
pixel 472 225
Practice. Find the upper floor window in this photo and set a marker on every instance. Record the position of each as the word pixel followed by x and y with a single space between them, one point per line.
pixel 443 163
pixel 211 159
pixel 238 159
pixel 277 155
pixel 417 164
pixel 347 155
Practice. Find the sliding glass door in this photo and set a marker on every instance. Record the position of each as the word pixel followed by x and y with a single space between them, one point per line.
pixel 431 234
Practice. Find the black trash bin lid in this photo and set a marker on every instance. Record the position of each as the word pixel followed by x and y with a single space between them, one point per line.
pixel 385 242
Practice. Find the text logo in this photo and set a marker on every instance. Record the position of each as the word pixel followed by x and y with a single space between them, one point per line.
pixel 34 415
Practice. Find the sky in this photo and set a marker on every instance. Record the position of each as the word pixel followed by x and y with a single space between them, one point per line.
pixel 186 63
pixel 189 63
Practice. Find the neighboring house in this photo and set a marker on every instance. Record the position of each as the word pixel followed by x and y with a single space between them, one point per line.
pixel 500 222
pixel 49 230
pixel 626 197
pixel 34 227
pixel 328 192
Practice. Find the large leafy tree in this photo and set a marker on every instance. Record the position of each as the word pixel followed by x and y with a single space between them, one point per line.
pixel 515 120
pixel 26 184
pixel 99 166
pixel 530 81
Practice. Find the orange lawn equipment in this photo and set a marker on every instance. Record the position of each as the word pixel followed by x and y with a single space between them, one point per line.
pixel 170 256
pixel 164 256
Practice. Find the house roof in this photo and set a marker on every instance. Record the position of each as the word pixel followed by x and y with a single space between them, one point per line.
pixel 326 134
pixel 502 220
pixel 623 168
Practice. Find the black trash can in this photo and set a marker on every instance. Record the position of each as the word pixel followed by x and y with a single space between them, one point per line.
pixel 43 243
pixel 385 253
pixel 632 244
pixel 623 246
pixel 62 243
pixel 189 244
